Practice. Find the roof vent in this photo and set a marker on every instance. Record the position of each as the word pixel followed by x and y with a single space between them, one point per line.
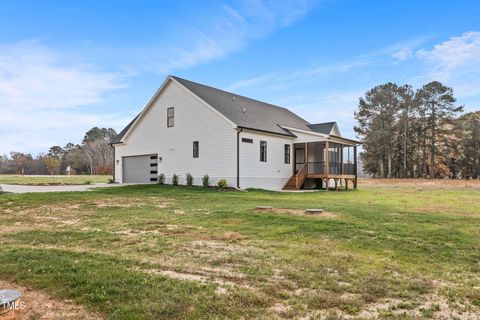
pixel 244 110
pixel 233 98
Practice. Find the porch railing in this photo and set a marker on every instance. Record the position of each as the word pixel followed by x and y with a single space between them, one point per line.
pixel 349 168
pixel 320 167
pixel 316 167
pixel 301 175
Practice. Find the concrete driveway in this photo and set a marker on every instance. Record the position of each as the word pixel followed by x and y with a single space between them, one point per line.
pixel 13 188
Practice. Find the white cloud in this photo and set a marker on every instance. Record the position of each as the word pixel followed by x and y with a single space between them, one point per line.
pixel 404 50
pixel 250 82
pixel 32 76
pixel 229 28
pixel 43 98
pixel 403 54
pixel 278 81
pixel 457 55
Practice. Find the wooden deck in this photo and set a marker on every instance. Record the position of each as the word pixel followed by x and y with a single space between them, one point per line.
pixel 323 160
pixel 296 182
pixel 330 176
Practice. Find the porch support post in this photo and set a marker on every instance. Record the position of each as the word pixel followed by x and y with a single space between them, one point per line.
pixel 294 165
pixel 327 161
pixel 306 155
pixel 355 166
pixel 341 158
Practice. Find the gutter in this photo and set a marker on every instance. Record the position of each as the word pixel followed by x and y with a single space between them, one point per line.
pixel 239 129
pixel 271 132
pixel 346 139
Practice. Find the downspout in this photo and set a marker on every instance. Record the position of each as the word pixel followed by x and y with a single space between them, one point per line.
pixel 113 168
pixel 238 156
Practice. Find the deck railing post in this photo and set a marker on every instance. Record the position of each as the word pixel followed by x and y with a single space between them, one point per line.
pixel 341 158
pixel 306 155
pixel 327 161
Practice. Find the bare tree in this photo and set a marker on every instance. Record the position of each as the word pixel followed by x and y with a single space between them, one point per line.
pixel 21 160
pixel 99 156
pixel 53 165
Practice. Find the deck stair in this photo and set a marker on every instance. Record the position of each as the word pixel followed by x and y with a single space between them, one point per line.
pixel 296 181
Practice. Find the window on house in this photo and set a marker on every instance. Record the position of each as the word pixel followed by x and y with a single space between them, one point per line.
pixel 195 149
pixel 170 117
pixel 263 151
pixel 287 153
pixel 247 140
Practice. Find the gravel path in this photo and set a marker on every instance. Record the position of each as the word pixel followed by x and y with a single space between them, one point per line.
pixel 65 188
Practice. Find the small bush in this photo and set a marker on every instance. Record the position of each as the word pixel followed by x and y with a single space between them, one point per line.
pixel 189 179
pixel 175 180
pixel 88 182
pixel 206 181
pixel 110 180
pixel 222 184
pixel 161 178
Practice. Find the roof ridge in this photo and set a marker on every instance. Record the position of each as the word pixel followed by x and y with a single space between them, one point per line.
pixel 312 124
pixel 232 93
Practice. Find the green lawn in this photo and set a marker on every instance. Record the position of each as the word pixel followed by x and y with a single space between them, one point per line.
pixel 44 180
pixel 157 252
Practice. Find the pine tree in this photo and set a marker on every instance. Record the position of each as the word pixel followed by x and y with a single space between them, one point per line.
pixel 438 103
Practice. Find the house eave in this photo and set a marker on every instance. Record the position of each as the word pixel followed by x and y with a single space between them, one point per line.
pixel 291 135
pixel 318 134
pixel 337 138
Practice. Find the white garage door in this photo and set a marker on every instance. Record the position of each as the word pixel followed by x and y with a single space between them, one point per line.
pixel 140 169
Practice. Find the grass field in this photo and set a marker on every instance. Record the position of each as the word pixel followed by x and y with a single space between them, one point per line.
pixel 48 180
pixel 384 251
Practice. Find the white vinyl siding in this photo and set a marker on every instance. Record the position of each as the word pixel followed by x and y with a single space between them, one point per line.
pixel 272 174
pixel 194 121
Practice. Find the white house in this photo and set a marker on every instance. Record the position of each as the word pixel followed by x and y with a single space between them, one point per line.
pixel 188 127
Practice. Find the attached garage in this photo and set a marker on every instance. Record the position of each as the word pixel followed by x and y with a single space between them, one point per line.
pixel 140 169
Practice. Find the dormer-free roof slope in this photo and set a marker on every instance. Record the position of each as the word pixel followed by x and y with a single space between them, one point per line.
pixel 246 112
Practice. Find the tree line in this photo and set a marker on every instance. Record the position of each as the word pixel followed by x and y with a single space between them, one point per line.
pixel 93 155
pixel 421 133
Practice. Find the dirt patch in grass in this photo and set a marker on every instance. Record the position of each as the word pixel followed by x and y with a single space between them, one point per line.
pixel 35 304
pixel 229 236
pixel 132 202
pixel 203 276
pixel 300 212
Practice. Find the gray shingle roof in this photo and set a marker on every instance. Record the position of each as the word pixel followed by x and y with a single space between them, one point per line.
pixel 325 127
pixel 120 135
pixel 246 112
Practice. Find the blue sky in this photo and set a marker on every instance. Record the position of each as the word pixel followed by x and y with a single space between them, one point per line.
pixel 66 66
